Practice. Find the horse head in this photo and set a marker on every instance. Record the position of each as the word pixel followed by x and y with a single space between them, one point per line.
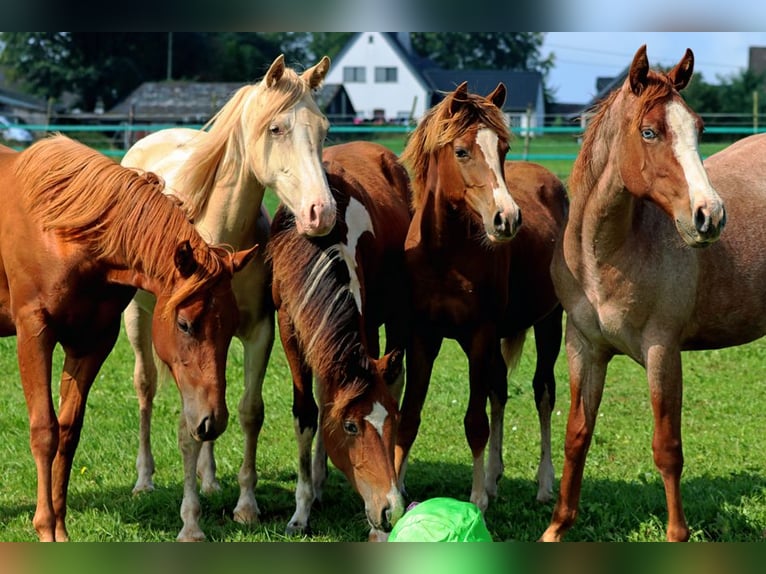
pixel 658 150
pixel 283 134
pixel 466 138
pixel 192 335
pixel 359 432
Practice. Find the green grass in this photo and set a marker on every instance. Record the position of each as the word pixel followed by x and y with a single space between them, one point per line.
pixel 723 485
pixel 724 482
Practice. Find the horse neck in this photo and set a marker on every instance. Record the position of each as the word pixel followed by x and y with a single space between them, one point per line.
pixel 232 209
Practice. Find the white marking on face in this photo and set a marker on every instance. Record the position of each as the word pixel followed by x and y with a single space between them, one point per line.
pixel 487 141
pixel 358 222
pixel 684 130
pixel 377 417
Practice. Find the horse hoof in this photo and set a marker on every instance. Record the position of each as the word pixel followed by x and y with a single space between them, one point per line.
pixel 211 487
pixel 143 487
pixel 297 529
pixel 190 536
pixel 246 515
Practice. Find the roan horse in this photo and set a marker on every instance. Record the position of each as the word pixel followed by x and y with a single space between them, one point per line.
pixel 269 134
pixel 79 235
pixel 471 283
pixel 627 275
pixel 332 294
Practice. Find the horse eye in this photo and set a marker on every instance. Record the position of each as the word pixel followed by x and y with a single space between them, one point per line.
pixel 460 153
pixel 183 325
pixel 275 130
pixel 350 427
pixel 648 134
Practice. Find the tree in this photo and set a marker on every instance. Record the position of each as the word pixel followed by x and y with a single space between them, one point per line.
pixel 107 66
pixel 483 50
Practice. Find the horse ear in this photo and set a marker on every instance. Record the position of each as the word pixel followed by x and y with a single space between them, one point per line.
pixel 314 76
pixel 276 70
pixel 682 73
pixel 184 259
pixel 497 96
pixel 390 366
pixel 242 258
pixel 639 71
pixel 457 98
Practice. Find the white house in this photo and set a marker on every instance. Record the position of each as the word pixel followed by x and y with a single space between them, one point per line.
pixel 377 71
pixel 386 81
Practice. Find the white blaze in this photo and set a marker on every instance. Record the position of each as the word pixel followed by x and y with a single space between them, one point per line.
pixel 377 417
pixel 684 130
pixel 487 140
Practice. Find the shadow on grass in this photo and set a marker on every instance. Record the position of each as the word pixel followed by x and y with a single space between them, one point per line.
pixel 725 508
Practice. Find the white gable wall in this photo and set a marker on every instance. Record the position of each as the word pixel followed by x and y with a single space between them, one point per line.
pixel 394 98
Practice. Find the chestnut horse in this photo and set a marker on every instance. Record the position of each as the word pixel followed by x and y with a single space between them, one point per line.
pixel 627 275
pixel 332 294
pixel 79 235
pixel 471 283
pixel 269 134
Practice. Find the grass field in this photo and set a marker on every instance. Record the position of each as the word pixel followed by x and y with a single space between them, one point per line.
pixel 724 483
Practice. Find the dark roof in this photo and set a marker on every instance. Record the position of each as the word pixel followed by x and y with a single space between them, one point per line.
pixel 11 95
pixel 190 101
pixel 522 87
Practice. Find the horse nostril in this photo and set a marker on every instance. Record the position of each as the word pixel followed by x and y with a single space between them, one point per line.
pixel 385 519
pixel 702 221
pixel 501 224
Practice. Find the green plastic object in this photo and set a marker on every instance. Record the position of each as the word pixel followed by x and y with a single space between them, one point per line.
pixel 441 520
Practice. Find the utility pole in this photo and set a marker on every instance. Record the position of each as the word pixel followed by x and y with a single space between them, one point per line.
pixel 170 56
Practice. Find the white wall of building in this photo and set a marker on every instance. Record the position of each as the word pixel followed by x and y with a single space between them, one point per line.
pixel 397 99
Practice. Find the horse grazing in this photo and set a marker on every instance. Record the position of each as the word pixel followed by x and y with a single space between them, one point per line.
pixel 627 275
pixel 269 134
pixel 79 235
pixel 471 283
pixel 332 294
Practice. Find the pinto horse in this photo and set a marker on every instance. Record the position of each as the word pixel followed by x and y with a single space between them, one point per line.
pixel 471 283
pixel 332 294
pixel 79 235
pixel 269 134
pixel 627 275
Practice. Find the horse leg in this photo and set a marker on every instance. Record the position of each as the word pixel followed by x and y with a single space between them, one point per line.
pixel 257 349
pixel 487 378
pixel 665 374
pixel 206 468
pixel 138 327
pixel 548 345
pixel 420 356
pixel 305 414
pixel 319 460
pixel 190 506
pixel 587 374
pixel 77 377
pixel 34 350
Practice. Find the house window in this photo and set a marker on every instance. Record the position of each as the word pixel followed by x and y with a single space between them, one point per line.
pixel 385 75
pixel 354 74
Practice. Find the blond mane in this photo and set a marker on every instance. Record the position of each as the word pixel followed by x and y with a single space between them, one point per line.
pixel 439 127
pixel 605 126
pixel 222 155
pixel 121 215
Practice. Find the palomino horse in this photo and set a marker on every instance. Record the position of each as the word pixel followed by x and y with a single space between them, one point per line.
pixel 80 235
pixel 269 134
pixel 625 272
pixel 332 294
pixel 471 283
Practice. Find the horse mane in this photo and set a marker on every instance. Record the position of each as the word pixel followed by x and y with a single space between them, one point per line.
pixel 314 287
pixel 606 123
pixel 221 155
pixel 120 214
pixel 439 127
